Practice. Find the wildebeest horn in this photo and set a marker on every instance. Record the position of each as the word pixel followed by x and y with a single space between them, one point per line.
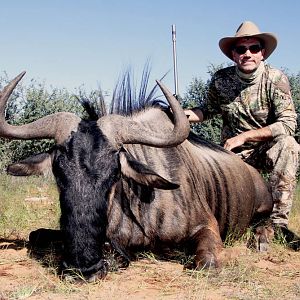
pixel 128 131
pixel 57 126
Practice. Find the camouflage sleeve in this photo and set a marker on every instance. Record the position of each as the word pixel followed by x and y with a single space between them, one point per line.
pixel 283 106
pixel 211 106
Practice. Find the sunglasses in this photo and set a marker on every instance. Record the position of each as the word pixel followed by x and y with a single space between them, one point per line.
pixel 243 49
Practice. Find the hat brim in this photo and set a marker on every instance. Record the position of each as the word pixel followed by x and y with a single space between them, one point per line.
pixel 270 43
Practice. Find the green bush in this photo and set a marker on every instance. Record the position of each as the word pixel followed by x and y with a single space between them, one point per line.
pixel 29 103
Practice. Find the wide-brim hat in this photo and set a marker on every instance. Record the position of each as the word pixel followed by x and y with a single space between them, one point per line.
pixel 248 29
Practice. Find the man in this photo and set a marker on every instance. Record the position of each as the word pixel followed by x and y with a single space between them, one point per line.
pixel 259 118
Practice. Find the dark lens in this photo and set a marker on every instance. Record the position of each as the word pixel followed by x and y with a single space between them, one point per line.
pixel 240 49
pixel 254 49
pixel 243 49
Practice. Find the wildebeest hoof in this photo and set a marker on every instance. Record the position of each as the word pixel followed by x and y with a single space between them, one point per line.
pixel 207 261
pixel 263 236
pixel 45 238
pixel 92 274
pixel 101 274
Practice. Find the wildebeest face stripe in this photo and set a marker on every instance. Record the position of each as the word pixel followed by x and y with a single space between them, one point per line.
pixel 85 187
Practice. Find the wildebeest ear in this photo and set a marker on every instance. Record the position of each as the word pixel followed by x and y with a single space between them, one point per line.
pixel 39 164
pixel 143 174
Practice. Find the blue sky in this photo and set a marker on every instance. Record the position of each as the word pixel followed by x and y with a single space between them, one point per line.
pixel 87 42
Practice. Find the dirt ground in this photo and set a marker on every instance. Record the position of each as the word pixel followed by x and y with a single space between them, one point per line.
pixel 248 275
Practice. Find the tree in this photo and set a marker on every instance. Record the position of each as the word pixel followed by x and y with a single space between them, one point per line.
pixel 30 103
pixel 195 97
pixel 295 89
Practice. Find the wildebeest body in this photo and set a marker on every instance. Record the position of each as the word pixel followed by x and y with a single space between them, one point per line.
pixel 136 182
pixel 100 201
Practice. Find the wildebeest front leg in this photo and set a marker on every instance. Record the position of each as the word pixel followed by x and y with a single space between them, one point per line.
pixel 208 247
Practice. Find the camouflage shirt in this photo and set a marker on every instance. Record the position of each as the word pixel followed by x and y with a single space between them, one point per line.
pixel 245 106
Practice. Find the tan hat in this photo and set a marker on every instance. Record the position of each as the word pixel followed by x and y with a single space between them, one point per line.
pixel 248 29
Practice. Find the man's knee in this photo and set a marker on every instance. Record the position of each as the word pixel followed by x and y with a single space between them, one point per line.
pixel 287 142
pixel 285 150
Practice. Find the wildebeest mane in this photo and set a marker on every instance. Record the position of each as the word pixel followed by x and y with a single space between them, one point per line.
pixel 95 109
pixel 199 141
pixel 126 100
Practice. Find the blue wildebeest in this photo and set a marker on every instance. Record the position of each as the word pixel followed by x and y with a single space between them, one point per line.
pixel 137 182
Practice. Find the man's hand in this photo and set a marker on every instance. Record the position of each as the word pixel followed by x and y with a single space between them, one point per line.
pixel 234 142
pixel 255 135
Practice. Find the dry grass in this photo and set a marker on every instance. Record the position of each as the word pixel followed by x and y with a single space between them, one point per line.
pixel 27 204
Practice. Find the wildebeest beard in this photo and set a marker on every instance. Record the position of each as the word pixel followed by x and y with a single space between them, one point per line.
pixel 84 189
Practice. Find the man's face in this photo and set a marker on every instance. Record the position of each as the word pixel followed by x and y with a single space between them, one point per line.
pixel 247 54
